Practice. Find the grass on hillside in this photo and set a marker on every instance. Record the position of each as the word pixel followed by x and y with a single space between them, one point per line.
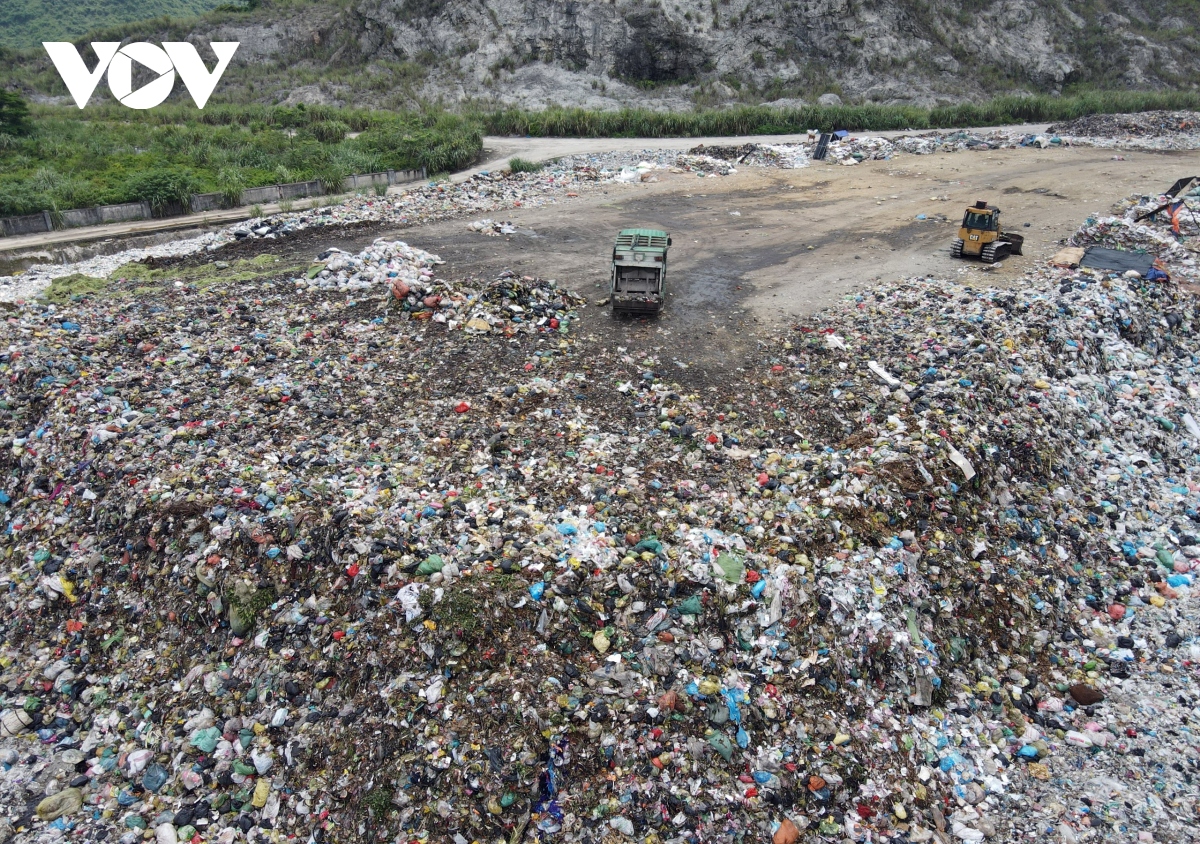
pixel 27 23
pixel 761 120
pixel 75 160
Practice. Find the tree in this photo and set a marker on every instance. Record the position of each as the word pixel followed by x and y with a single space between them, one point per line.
pixel 14 114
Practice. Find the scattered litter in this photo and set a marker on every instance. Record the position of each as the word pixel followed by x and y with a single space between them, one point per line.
pixel 492 228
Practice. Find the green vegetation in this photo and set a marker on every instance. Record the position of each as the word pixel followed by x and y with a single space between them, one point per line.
pixel 760 120
pixel 27 23
pixel 522 165
pixel 136 278
pixel 68 287
pixel 14 114
pixel 72 159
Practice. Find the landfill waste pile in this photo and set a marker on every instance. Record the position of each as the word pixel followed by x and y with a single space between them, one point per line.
pixel 643 171
pixel 1125 233
pixel 1144 130
pixel 1152 130
pixel 783 156
pixel 704 165
pixel 853 149
pixel 492 228
pixel 736 154
pixel 508 304
pixel 1159 210
pixel 368 554
pixel 1144 225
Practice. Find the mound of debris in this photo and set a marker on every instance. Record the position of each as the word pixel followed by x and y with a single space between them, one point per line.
pixel 296 559
pixel 736 154
pixel 1141 124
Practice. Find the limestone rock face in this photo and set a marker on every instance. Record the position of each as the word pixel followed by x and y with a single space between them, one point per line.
pixel 906 51
pixel 678 53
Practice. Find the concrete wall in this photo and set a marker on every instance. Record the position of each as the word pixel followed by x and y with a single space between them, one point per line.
pixel 106 214
pixel 296 190
pixel 205 202
pixel 35 223
pixel 390 177
pixel 31 224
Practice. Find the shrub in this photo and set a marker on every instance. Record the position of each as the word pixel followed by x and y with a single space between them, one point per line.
pixel 230 183
pixel 14 114
pixel 522 165
pixel 329 131
pixel 162 188
pixel 331 179
pixel 761 120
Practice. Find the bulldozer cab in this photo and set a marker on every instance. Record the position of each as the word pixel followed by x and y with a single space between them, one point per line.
pixel 983 219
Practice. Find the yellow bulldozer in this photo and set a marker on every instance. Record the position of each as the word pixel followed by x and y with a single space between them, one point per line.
pixel 981 236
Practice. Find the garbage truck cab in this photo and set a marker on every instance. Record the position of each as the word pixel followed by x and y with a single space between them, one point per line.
pixel 639 270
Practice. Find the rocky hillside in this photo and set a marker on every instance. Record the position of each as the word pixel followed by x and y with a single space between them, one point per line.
pixel 681 52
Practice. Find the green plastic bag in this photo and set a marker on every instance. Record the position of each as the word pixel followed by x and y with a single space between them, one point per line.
pixel 652 545
pixel 431 564
pixel 721 743
pixel 732 569
pixel 206 740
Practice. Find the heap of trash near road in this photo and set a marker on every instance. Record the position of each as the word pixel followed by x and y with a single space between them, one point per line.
pixel 372 554
pixel 1150 131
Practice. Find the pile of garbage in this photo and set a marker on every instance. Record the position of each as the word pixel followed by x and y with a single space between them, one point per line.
pixel 1159 209
pixel 297 559
pixel 492 228
pixel 782 156
pixel 1151 130
pixel 736 154
pixel 845 148
pixel 643 171
pixel 508 304
pixel 1140 125
pixel 1124 233
pixel 704 165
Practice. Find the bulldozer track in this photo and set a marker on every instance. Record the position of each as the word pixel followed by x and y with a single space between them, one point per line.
pixel 994 252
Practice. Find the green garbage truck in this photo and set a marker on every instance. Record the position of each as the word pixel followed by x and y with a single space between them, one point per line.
pixel 639 271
